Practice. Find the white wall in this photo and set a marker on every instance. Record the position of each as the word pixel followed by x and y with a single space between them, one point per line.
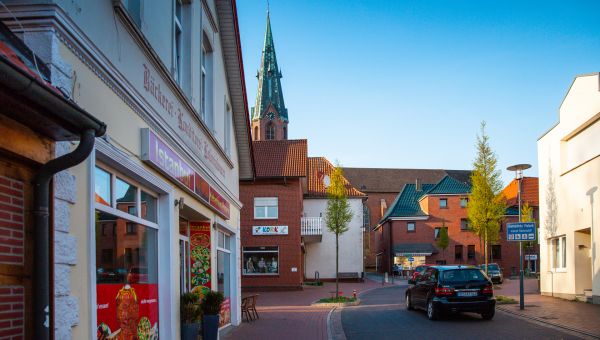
pixel 320 256
pixel 568 158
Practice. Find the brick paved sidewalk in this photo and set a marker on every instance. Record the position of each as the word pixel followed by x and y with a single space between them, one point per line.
pixel 289 315
pixel 573 315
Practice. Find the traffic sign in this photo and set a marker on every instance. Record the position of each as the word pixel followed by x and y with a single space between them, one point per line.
pixel 411 259
pixel 522 231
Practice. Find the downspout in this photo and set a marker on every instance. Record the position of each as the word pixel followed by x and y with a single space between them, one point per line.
pixel 42 256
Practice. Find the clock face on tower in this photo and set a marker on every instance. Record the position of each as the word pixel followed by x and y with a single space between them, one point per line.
pixel 270 116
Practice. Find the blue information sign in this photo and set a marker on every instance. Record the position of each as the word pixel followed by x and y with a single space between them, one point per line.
pixel 522 231
pixel 411 259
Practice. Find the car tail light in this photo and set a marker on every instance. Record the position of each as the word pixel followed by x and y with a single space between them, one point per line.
pixel 489 289
pixel 443 291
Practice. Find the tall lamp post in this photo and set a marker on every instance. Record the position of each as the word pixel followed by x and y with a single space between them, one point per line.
pixel 518 169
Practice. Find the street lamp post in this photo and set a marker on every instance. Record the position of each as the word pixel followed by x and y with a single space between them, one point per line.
pixel 518 169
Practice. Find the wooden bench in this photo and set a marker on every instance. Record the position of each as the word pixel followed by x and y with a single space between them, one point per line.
pixel 349 275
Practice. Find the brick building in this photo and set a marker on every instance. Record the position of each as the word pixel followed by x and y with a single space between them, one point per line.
pixel 411 227
pixel 270 217
pixel 382 186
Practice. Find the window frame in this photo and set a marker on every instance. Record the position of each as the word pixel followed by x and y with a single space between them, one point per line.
pixel 469 254
pixel 445 205
pixel 466 200
pixel 496 255
pixel 456 247
pixel 270 131
pixel 414 227
pixel 178 41
pixel 559 243
pixel 468 227
pixel 266 210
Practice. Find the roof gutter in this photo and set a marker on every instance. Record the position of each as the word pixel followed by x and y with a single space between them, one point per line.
pixel 76 120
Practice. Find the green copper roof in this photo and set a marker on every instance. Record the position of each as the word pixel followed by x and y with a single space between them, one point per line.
pixel 448 186
pixel 269 80
pixel 407 202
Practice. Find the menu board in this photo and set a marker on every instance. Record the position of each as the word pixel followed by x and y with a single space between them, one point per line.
pixel 127 311
pixel 200 257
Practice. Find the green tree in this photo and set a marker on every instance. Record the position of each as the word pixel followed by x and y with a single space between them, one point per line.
pixel 486 207
pixel 443 240
pixel 338 214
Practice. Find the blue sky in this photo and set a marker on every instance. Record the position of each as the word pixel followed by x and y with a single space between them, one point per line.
pixel 405 84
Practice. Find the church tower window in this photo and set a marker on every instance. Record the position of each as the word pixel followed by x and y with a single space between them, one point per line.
pixel 270 131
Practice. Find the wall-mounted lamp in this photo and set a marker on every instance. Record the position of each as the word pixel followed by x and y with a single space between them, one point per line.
pixel 581 246
pixel 179 202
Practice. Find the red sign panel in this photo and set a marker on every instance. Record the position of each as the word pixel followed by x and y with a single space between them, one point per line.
pixel 127 311
pixel 200 257
pixel 219 203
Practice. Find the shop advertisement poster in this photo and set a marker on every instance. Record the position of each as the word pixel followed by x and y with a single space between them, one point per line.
pixel 225 314
pixel 127 311
pixel 200 257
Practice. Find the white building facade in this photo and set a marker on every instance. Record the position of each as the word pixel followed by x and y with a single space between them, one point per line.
pixel 319 242
pixel 154 211
pixel 569 178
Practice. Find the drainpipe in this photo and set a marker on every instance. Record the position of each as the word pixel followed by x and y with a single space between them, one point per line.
pixel 42 256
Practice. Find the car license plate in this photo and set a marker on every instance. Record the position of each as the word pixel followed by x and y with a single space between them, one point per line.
pixel 466 293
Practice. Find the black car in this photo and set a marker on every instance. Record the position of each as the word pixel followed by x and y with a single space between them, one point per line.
pixel 449 289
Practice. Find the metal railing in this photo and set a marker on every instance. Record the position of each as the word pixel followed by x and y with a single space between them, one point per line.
pixel 311 226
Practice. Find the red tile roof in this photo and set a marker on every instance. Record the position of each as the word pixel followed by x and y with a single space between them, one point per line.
pixel 280 158
pixel 529 192
pixel 318 167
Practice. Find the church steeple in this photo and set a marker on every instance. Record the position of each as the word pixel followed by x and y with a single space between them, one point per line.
pixel 269 97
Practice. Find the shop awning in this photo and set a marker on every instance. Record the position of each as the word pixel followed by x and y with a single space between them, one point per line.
pixel 414 249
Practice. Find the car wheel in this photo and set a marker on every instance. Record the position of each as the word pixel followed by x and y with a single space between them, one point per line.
pixel 409 304
pixel 488 315
pixel 432 314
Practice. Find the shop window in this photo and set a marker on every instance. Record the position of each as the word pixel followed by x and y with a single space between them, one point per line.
pixel 463 202
pixel 559 254
pixel 410 227
pixel 261 260
pixel 224 274
pixel 464 224
pixel 148 206
pixel 496 252
pixel 443 203
pixel 471 251
pixel 458 252
pixel 265 208
pixel 102 187
pixel 126 257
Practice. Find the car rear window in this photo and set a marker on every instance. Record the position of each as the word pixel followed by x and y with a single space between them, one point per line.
pixel 462 275
pixel 493 267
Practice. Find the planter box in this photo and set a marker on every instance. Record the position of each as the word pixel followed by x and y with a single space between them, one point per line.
pixel 336 304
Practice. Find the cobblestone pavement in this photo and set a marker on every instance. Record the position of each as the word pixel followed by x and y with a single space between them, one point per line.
pixel 572 315
pixel 289 315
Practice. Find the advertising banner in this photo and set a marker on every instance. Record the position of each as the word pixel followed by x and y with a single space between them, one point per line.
pixel 270 230
pixel 225 314
pixel 200 257
pixel 127 311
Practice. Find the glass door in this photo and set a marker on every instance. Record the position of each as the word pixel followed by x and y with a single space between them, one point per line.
pixel 184 255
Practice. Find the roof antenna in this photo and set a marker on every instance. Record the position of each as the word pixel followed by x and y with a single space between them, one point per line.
pixel 267 6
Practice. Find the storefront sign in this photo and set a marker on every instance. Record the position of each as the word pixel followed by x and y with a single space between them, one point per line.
pixel 163 158
pixel 200 257
pixel 127 311
pixel 219 203
pixel 181 120
pixel 270 230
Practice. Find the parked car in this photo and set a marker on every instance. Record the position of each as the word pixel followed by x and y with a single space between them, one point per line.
pixel 494 272
pixel 445 289
pixel 419 270
pixel 137 275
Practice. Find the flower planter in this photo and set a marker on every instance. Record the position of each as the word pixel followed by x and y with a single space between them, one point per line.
pixel 190 331
pixel 210 327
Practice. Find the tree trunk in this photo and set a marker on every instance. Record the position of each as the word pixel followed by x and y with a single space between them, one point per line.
pixel 485 247
pixel 337 274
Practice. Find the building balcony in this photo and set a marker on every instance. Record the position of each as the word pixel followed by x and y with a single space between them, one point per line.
pixel 311 229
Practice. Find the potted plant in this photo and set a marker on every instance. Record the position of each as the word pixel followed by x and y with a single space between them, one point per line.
pixel 191 316
pixel 211 307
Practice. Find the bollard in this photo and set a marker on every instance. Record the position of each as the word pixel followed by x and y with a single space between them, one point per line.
pixel 354 293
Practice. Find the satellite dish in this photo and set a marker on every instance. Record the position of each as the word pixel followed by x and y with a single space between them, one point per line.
pixel 326 181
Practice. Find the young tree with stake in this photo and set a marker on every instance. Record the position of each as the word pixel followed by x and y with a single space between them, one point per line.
pixel 338 214
pixel 486 207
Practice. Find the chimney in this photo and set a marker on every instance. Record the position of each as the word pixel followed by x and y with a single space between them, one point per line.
pixel 418 184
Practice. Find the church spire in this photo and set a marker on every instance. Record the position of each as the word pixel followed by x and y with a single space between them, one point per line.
pixel 269 80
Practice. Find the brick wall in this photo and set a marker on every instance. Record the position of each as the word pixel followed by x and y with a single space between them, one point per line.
pixel 289 194
pixel 11 312
pixel 11 221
